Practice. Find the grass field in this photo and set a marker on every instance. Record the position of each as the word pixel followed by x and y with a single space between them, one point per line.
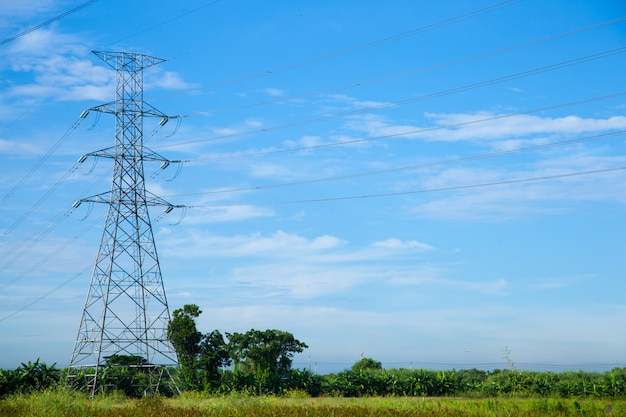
pixel 61 403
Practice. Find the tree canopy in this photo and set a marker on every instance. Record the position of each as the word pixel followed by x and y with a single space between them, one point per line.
pixel 265 356
pixel 365 364
pixel 200 356
pixel 264 351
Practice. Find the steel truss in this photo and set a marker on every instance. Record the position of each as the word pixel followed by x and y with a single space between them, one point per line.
pixel 122 338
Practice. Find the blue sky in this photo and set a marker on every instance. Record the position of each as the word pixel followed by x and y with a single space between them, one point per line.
pixel 423 183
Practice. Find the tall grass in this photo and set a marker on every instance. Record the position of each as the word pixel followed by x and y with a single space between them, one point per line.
pixel 64 403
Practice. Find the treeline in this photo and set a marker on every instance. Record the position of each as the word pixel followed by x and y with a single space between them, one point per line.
pixel 475 383
pixel 259 363
pixel 364 380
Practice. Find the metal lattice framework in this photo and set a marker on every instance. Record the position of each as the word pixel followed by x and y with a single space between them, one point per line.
pixel 122 338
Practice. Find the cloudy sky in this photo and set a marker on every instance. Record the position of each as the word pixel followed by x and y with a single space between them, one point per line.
pixel 425 183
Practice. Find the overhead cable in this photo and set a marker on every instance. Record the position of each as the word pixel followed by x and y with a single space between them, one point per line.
pixel 164 22
pixel 411 167
pixel 377 42
pixel 52 254
pixel 46 295
pixel 429 190
pixel 47 22
pixel 22 248
pixel 414 131
pixel 419 70
pixel 41 161
pixel 409 100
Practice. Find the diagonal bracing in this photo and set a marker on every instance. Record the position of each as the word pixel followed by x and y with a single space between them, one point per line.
pixel 122 338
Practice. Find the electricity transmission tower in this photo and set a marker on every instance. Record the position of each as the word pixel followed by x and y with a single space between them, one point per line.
pixel 122 338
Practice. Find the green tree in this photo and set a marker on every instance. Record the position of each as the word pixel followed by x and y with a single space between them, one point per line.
pixel 200 356
pixel 366 364
pixel 267 355
pixel 185 337
pixel 213 355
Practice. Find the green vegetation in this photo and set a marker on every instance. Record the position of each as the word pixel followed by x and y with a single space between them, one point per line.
pixel 261 359
pixel 360 381
pixel 366 364
pixel 29 377
pixel 65 403
pixel 476 383
pixel 262 365
pixel 250 374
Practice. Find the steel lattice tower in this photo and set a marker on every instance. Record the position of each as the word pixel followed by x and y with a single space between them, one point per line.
pixel 122 338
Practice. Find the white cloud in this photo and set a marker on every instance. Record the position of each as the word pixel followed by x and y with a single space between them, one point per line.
pixel 57 66
pixel 496 129
pixel 61 67
pixel 305 141
pixel 393 243
pixel 280 245
pixel 354 103
pixel 469 126
pixel 284 244
pixel 12 147
pixel 167 80
pixel 19 9
pixel 274 92
pixel 288 265
pixel 231 213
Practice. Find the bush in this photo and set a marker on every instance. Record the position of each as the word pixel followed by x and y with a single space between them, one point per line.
pixel 30 377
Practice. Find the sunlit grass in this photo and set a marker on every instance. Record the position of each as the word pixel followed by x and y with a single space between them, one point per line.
pixel 64 403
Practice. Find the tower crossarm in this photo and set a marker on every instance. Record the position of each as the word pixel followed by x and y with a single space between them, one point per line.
pixel 146 156
pixel 127 61
pixel 108 198
pixel 147 110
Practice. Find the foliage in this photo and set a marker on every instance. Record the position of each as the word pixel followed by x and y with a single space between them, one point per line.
pixel 125 360
pixel 185 337
pixel 63 403
pixel 476 383
pixel 129 381
pixel 200 356
pixel 262 365
pixel 267 355
pixel 365 364
pixel 30 377
pixel 213 356
pixel 262 359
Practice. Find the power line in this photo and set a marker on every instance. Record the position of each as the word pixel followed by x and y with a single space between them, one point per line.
pixel 419 70
pixel 164 22
pixel 52 189
pixel 40 201
pixel 70 241
pixel 44 296
pixel 411 167
pixel 409 100
pixel 41 161
pixel 52 254
pixel 47 22
pixel 417 131
pixel 430 190
pixel 346 51
pixel 26 244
